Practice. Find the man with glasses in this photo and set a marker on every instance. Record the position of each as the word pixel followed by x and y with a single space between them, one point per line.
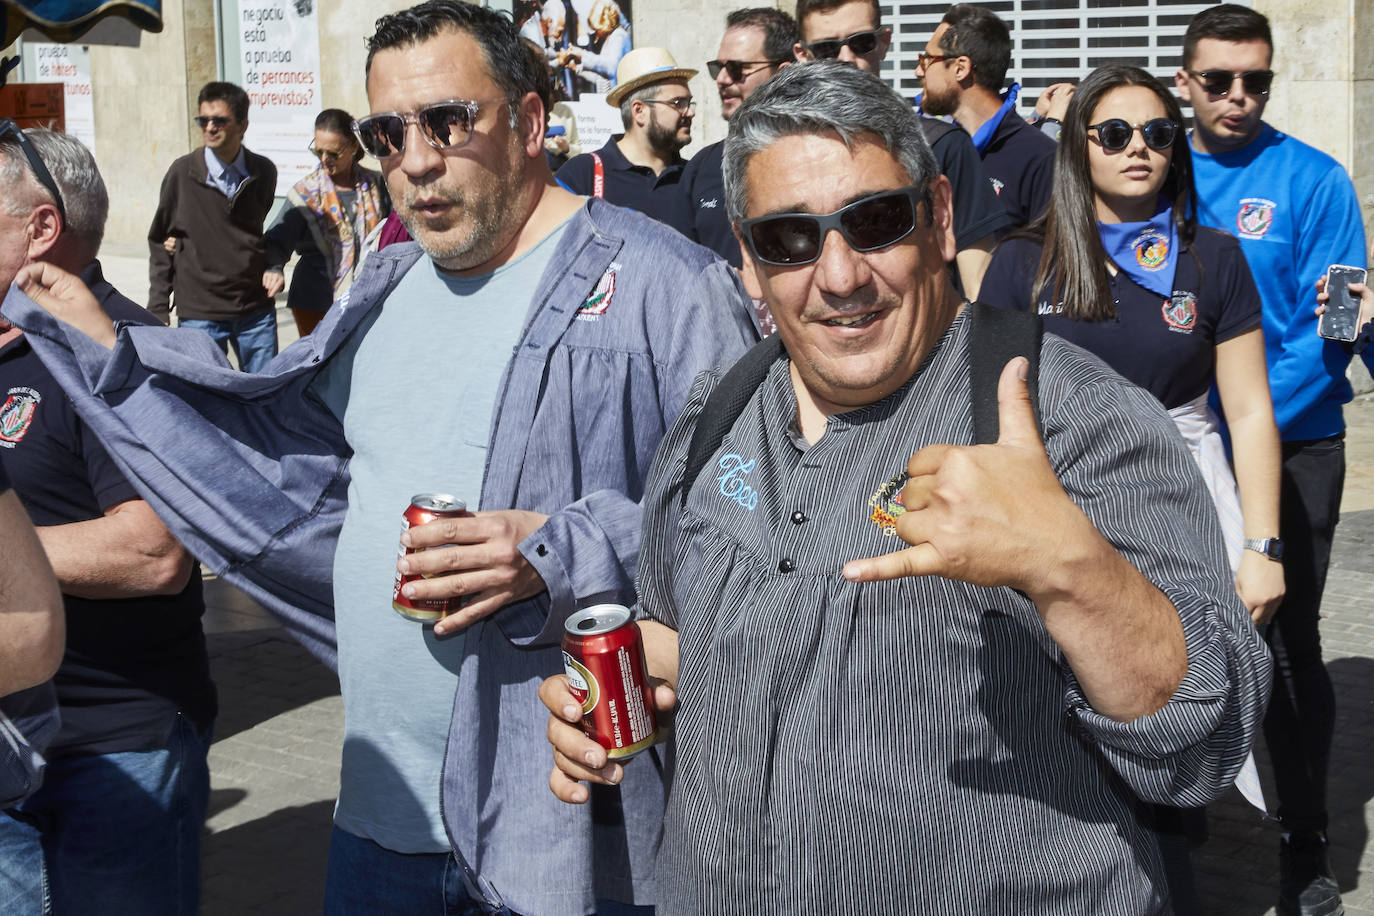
pixel 527 356
pixel 757 43
pixel 962 70
pixel 1296 213
pixel 968 724
pixel 122 805
pixel 212 208
pixel 640 168
pixel 852 31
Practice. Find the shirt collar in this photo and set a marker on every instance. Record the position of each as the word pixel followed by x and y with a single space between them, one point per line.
pixel 217 169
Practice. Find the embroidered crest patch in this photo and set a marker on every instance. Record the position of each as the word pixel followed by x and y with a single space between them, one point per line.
pixel 1255 217
pixel 1151 249
pixel 600 299
pixel 1180 312
pixel 16 416
pixel 887 504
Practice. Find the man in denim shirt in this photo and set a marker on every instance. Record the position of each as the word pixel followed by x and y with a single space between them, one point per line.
pixel 531 364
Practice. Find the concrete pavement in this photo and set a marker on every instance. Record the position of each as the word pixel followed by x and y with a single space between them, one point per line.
pixel 274 762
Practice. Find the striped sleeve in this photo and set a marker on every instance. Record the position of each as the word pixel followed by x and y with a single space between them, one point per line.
pixel 1120 458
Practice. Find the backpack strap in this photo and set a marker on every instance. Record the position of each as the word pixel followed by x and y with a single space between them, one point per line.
pixel 724 405
pixel 997 336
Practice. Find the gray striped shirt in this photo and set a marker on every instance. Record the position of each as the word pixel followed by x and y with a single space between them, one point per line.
pixel 921 746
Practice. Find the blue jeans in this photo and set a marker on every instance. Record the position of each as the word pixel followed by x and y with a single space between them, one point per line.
pixel 253 337
pixel 111 833
pixel 367 878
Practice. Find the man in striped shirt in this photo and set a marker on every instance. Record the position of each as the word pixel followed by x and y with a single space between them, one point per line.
pixel 972 723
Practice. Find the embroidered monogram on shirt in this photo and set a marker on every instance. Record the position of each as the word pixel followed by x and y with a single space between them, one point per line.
pixel 732 485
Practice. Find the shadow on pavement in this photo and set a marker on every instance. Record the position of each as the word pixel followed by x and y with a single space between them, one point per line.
pixel 261 674
pixel 1352 776
pixel 275 864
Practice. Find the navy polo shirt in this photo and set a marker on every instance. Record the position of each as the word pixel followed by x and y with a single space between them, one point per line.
pixel 1020 164
pixel 703 189
pixel 130 664
pixel 1166 346
pixel 977 211
pixel 627 184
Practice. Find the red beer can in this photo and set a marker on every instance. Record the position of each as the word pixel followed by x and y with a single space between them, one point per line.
pixel 424 508
pixel 604 660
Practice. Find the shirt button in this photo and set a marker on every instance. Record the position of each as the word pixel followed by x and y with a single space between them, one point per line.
pixel 798 517
pixel 785 566
pixel 541 550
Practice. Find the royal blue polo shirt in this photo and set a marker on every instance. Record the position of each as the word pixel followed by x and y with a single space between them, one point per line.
pixel 627 184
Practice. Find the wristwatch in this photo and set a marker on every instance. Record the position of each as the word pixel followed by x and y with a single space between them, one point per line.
pixel 1270 547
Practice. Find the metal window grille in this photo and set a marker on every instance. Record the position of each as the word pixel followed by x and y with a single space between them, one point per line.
pixel 1054 40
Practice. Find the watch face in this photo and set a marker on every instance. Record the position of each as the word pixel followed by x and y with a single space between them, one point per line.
pixel 1274 549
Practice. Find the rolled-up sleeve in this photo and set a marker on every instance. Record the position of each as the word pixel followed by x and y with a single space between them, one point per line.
pixel 1122 461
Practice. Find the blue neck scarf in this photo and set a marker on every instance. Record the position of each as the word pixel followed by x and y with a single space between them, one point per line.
pixel 984 135
pixel 1146 252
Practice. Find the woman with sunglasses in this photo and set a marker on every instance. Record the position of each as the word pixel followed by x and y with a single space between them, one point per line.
pixel 1119 266
pixel 328 216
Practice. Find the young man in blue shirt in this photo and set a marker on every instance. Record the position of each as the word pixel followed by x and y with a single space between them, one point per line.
pixel 1295 212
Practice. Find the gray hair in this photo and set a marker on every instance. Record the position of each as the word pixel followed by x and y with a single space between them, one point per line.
pixel 627 104
pixel 824 97
pixel 73 168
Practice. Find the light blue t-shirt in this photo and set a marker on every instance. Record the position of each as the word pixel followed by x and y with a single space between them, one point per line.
pixel 415 387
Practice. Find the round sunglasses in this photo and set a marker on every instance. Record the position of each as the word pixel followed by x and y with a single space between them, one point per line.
pixel 860 43
pixel 867 224
pixel 1115 133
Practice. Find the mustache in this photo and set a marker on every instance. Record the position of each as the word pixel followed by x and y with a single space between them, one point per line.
pixel 414 193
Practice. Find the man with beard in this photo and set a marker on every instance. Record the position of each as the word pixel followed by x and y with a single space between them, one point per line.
pixel 757 43
pixel 640 168
pixel 526 355
pixel 962 70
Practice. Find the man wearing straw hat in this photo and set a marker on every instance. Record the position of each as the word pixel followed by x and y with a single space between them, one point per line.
pixel 640 168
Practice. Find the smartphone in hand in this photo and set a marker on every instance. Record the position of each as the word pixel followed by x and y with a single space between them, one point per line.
pixel 1340 321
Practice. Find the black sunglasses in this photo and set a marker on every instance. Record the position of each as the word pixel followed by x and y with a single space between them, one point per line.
pixel 870 223
pixel 220 121
pixel 40 171
pixel 860 43
pixel 444 125
pixel 1115 134
pixel 1219 82
pixel 736 67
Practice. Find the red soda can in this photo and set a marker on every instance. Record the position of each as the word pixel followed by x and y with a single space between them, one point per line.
pixel 604 660
pixel 424 508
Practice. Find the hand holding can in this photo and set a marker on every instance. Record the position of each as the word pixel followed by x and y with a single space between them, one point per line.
pixel 423 509
pixel 604 661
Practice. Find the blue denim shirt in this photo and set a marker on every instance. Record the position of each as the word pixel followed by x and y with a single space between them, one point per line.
pixel 251 472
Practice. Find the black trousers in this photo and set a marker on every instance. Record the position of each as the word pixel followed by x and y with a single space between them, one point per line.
pixel 1301 716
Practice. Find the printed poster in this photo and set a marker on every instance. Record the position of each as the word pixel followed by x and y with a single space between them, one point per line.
pixel 583 41
pixel 69 65
pixel 279 44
